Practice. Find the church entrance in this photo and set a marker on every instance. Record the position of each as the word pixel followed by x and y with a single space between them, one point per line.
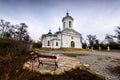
pixel 72 44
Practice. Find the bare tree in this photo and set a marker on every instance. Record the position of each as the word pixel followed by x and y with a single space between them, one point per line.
pixel 6 30
pixel 21 31
pixel 91 39
pixel 118 34
pixel 17 32
pixel 12 31
pixel 109 38
pixel 2 27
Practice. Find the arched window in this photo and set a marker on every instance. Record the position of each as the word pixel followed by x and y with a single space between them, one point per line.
pixel 69 24
pixel 64 25
pixel 48 43
pixel 56 43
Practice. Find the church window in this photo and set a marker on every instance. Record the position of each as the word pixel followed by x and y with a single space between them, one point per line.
pixel 64 24
pixel 69 24
pixel 72 37
pixel 48 43
pixel 56 43
pixel 72 44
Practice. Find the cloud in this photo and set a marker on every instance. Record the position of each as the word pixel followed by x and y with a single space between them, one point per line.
pixel 98 17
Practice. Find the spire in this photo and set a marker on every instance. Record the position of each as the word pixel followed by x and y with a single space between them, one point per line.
pixel 59 29
pixel 49 33
pixel 67 14
pixel 49 30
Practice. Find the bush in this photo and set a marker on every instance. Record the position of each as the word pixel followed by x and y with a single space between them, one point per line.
pixel 114 46
pixel 37 45
pixel 13 54
pixel 4 43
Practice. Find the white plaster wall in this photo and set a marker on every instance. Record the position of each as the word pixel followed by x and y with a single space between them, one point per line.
pixel 45 41
pixel 66 41
pixel 59 44
pixel 59 36
pixel 67 23
pixel 77 42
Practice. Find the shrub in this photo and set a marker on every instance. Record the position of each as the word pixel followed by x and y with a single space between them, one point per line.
pixel 37 45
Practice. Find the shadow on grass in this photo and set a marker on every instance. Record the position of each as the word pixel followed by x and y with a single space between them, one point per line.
pixel 74 55
pixel 114 70
pixel 75 74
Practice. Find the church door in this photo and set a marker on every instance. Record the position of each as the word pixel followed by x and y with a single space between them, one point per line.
pixel 72 44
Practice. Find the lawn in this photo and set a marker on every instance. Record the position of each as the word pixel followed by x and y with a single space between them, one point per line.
pixel 74 55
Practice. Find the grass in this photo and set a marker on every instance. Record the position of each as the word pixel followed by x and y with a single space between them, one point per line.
pixel 74 55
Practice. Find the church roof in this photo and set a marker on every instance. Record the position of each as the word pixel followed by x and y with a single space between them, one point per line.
pixel 49 33
pixel 56 33
pixel 55 39
pixel 67 30
pixel 67 16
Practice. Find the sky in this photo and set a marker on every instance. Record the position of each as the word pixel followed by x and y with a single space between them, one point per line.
pixel 95 17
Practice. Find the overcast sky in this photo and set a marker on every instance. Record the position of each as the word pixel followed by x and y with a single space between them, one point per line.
pixel 96 17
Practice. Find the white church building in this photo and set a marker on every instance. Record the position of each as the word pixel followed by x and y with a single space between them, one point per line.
pixel 66 38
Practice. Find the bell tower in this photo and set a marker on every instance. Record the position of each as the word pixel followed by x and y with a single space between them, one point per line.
pixel 67 21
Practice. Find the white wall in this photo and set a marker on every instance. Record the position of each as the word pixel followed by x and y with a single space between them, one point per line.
pixel 45 41
pixel 67 23
pixel 66 41
pixel 54 44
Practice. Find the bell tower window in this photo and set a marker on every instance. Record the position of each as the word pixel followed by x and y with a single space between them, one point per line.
pixel 64 25
pixel 69 24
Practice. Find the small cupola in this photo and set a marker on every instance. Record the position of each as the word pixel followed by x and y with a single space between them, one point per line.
pixel 49 33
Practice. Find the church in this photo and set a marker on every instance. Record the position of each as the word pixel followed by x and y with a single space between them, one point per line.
pixel 66 38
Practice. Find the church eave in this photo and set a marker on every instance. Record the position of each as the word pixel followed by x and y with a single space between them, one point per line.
pixel 70 30
pixel 67 17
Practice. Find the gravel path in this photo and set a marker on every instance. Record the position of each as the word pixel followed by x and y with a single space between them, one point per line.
pixel 99 65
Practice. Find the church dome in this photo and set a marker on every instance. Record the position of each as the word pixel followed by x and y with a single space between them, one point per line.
pixel 49 33
pixel 59 31
pixel 66 17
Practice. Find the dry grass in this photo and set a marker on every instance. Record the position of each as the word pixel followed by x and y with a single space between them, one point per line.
pixel 75 74
pixel 63 49
pixel 11 68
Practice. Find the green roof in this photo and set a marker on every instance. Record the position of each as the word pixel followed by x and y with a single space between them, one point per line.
pixel 49 33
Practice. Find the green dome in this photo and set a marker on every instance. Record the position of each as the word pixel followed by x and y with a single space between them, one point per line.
pixel 57 32
pixel 49 33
